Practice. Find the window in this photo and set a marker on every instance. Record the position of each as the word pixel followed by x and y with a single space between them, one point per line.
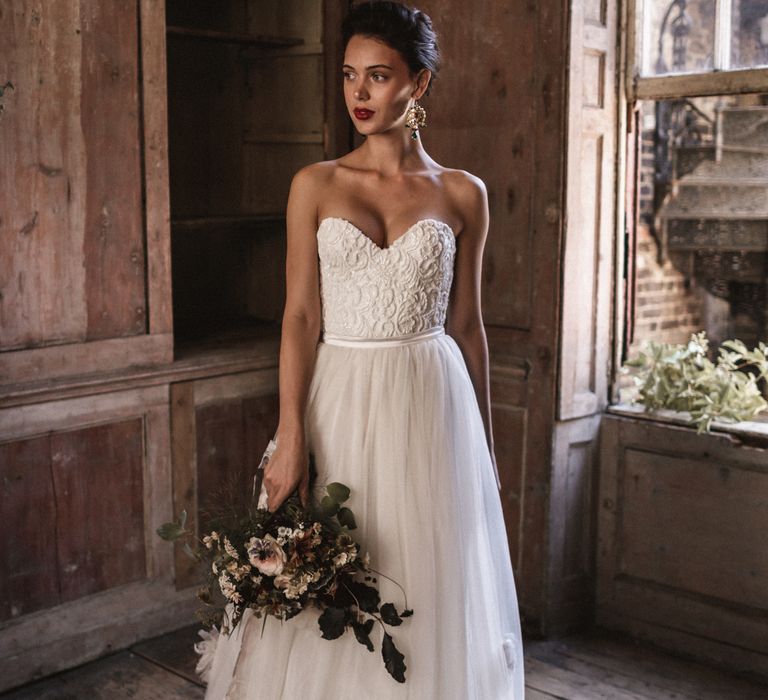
pixel 696 164
pixel 698 37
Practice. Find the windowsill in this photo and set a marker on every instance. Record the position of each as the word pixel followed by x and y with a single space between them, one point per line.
pixel 749 431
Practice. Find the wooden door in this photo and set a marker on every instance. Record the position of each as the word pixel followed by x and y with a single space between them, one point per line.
pixel 498 111
pixel 79 154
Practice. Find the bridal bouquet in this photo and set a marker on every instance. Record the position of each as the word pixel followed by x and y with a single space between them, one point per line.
pixel 280 563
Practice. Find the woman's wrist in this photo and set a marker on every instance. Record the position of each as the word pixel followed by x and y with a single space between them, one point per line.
pixel 291 434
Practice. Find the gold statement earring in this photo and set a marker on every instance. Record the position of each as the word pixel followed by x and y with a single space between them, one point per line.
pixel 415 117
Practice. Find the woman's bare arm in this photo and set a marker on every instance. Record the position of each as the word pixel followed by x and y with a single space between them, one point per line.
pixel 465 321
pixel 288 466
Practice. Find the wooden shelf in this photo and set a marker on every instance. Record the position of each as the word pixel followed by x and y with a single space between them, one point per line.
pixel 211 338
pixel 234 38
pixel 236 349
pixel 207 222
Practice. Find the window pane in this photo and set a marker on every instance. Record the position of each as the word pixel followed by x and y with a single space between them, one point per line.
pixel 702 236
pixel 676 36
pixel 749 40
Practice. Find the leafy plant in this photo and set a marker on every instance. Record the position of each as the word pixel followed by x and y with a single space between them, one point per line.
pixel 683 378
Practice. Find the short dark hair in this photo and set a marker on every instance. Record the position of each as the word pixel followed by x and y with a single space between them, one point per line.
pixel 407 30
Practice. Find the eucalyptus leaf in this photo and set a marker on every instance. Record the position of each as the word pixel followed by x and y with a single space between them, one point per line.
pixel 332 621
pixel 367 596
pixel 346 518
pixel 171 531
pixel 389 614
pixel 394 661
pixel 328 506
pixel 362 632
pixel 338 491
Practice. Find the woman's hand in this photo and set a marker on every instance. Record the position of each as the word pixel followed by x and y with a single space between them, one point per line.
pixel 287 468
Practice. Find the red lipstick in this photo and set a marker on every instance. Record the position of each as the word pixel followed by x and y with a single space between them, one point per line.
pixel 363 113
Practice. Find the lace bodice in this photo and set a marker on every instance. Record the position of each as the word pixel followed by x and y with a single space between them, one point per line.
pixel 373 292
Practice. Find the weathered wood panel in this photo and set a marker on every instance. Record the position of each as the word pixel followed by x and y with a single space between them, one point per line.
pixel 221 467
pixel 231 438
pixel 110 113
pixel 260 418
pixel 155 133
pixel 97 479
pixel 184 461
pixel 572 524
pixel 510 429
pixel 680 557
pixel 29 575
pixel 85 359
pixel 95 488
pixel 482 116
pixel 680 516
pixel 72 263
pixel 588 262
pixel 220 429
pixel 76 503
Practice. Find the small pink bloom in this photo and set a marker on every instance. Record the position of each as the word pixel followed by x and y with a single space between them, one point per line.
pixel 266 555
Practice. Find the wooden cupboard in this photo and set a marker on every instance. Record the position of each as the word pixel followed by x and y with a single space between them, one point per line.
pixel 147 150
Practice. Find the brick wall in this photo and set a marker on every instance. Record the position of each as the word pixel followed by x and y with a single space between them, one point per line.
pixel 668 307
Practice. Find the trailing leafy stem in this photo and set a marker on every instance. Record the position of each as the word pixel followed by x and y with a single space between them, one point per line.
pixel 683 378
pixel 280 563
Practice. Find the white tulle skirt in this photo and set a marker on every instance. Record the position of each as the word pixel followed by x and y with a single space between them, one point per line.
pixel 398 422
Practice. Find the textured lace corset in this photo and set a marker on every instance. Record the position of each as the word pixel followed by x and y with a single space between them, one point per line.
pixel 373 292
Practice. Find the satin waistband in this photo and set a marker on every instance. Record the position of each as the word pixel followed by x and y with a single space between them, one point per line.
pixel 355 342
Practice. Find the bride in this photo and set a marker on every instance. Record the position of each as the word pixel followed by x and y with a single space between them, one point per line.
pixel 384 379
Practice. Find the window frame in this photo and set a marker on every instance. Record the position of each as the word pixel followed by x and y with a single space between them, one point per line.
pixel 721 80
pixel 632 87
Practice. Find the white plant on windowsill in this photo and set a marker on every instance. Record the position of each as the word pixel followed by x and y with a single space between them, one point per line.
pixel 682 378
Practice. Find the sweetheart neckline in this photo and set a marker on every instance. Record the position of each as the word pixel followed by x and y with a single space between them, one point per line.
pixel 397 240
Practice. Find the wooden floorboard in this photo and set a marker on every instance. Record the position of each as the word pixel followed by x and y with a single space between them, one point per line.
pixel 597 666
pixel 680 678
pixel 118 676
pixel 533 694
pixel 173 652
pixel 624 679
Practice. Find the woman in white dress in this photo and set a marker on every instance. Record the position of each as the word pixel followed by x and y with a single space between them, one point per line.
pixel 384 379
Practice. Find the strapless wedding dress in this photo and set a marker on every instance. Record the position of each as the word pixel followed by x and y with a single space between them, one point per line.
pixel 392 413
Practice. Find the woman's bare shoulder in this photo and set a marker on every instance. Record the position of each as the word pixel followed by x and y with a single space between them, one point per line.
pixel 309 187
pixel 315 175
pixel 463 184
pixel 468 194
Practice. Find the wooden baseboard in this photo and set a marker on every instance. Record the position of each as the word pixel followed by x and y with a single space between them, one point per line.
pixel 52 640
